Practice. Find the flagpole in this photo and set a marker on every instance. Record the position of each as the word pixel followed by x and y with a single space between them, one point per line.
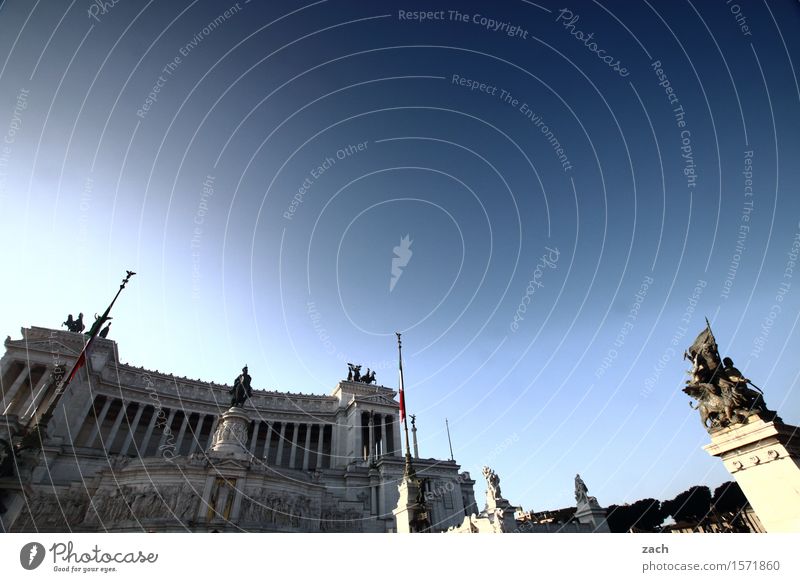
pixel 408 468
pixel 35 430
pixel 447 425
pixel 92 333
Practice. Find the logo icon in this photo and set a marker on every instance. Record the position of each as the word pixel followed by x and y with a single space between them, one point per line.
pixel 31 555
pixel 402 256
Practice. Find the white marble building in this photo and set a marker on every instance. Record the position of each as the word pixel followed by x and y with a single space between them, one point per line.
pixel 127 448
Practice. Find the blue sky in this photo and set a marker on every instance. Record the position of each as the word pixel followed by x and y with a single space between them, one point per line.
pixel 572 220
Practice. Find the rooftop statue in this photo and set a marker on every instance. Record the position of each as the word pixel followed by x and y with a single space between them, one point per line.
pixel 492 484
pixel 582 496
pixel 74 325
pixel 581 491
pixel 354 374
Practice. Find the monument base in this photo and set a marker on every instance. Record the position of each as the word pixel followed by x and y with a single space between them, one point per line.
pixel 764 458
pixel 410 515
pixel 501 514
pixel 593 515
pixel 230 440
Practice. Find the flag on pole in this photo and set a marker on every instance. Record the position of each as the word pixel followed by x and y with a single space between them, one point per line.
pixel 79 363
pixel 401 394
pixel 93 333
pixel 402 402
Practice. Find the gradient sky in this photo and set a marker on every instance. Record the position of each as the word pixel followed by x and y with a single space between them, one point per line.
pixel 195 193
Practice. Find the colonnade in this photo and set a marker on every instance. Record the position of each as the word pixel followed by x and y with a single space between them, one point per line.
pixel 144 429
pixel 377 435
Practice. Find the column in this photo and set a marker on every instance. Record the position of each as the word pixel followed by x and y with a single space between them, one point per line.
pixel 134 426
pixel 8 396
pixel 293 450
pixel 414 439
pixel 267 442
pixel 390 440
pixel 307 451
pixel 363 429
pixel 254 438
pixel 385 437
pixel 319 464
pixel 167 429
pixel 115 427
pixel 371 456
pixel 37 394
pixel 279 454
pixel 75 430
pixel 197 429
pixel 149 433
pixel 214 421
pixel 181 432
pixel 98 422
pixel 333 445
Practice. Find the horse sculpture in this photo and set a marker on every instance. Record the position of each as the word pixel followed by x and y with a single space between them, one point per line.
pixel 241 390
pixel 720 409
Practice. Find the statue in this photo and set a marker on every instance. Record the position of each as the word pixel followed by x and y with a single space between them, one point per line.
pixel 354 374
pixel 492 483
pixel 582 496
pixel 581 491
pixel 241 390
pixel 734 382
pixel 723 397
pixel 69 323
pixel 104 331
pixel 498 524
pixel 74 325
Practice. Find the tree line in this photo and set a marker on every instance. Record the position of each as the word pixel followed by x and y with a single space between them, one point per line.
pixel 694 507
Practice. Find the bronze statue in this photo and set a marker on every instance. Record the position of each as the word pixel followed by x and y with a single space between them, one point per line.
pixel 704 356
pixel 241 390
pixel 732 380
pixel 723 397
pixel 74 325
pixel 354 374
pixel 99 320
pixel 69 323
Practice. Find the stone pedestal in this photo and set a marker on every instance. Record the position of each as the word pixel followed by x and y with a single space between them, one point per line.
pixel 410 515
pixel 764 458
pixel 230 439
pixel 592 514
pixel 500 513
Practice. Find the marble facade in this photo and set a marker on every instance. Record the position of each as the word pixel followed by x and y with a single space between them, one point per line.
pixel 131 449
